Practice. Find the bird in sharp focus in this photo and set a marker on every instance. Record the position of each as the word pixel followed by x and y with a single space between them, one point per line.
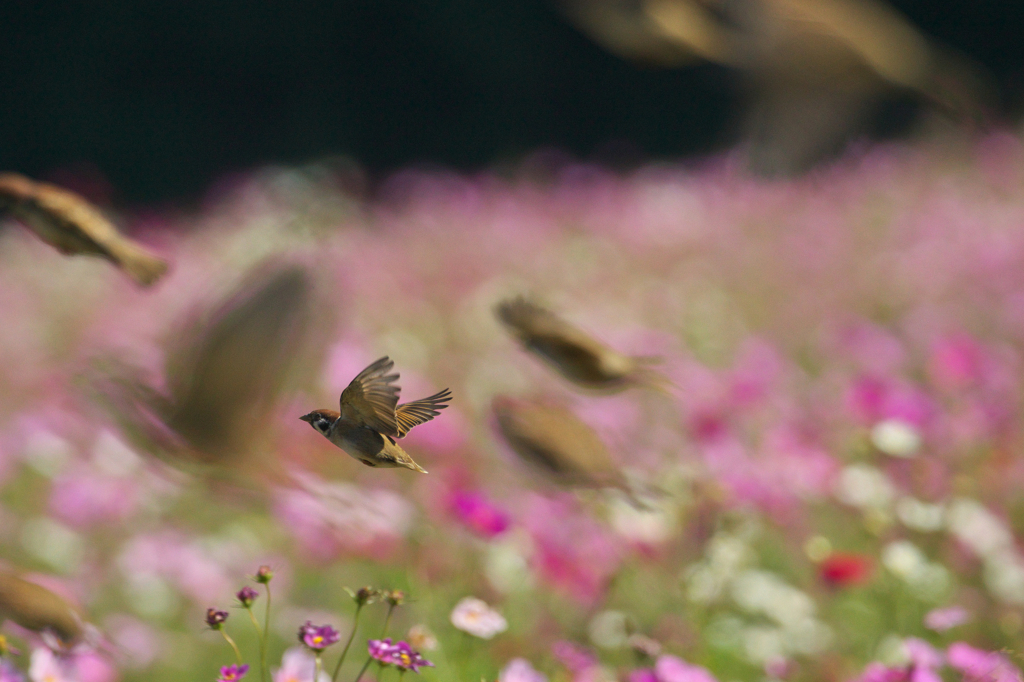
pixel 572 352
pixel 371 418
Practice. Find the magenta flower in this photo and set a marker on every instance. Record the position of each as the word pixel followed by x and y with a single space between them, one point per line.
pixel 479 514
pixel 246 596
pixel 877 672
pixel 318 637
pixel 8 673
pixel 674 669
pixel 400 655
pixel 233 672
pixel 574 657
pixel 978 665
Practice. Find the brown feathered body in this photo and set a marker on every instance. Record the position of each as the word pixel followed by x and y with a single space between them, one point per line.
pixel 816 71
pixel 224 374
pixel 576 355
pixel 371 419
pixel 38 609
pixel 72 225
pixel 557 443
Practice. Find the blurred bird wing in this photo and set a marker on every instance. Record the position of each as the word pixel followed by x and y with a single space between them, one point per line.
pixel 227 373
pixel 575 352
pixel 370 400
pixel 884 41
pixel 547 333
pixel 72 225
pixel 692 27
pixel 621 28
pixel 417 412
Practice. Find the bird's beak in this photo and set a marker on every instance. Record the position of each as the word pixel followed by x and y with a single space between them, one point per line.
pixel 307 418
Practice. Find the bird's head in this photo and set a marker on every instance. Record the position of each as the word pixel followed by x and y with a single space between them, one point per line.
pixel 321 420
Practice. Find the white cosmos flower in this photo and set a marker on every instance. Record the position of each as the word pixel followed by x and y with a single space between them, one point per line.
pixel 474 616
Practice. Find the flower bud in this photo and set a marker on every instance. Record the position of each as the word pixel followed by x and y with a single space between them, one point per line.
pixel 215 619
pixel 264 574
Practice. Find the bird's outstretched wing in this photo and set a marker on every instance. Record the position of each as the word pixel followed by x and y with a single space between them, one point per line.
pixel 370 400
pixel 415 413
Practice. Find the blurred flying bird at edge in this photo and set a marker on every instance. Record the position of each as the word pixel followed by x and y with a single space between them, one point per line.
pixel 816 70
pixel 72 225
pixel 576 355
pixel 36 608
pixel 223 375
pixel 371 418
pixel 559 445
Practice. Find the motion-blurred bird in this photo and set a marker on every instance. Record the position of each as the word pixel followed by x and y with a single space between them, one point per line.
pixel 223 377
pixel 816 70
pixel 371 418
pixel 36 608
pixel 72 225
pixel 556 443
pixel 573 353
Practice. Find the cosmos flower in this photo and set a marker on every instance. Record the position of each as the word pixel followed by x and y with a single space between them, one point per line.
pixel 479 514
pixel 8 673
pixel 673 669
pixel 233 672
pixel 474 616
pixel 45 666
pixel 841 570
pixel 520 670
pixel 943 619
pixel 298 665
pixel 400 655
pixel 318 637
pixel 978 665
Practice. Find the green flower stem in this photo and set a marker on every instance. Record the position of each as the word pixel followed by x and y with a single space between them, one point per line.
pixel 319 664
pixel 264 643
pixel 387 619
pixel 238 654
pixel 365 666
pixel 351 636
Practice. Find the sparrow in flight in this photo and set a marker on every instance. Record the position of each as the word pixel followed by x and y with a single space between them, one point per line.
pixel 371 418
pixel 72 225
pixel 572 352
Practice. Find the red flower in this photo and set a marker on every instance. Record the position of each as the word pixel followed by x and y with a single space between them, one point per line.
pixel 841 570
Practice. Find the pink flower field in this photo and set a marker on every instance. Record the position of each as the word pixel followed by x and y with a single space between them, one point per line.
pixel 826 484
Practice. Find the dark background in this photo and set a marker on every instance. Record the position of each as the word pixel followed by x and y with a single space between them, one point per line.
pixel 163 97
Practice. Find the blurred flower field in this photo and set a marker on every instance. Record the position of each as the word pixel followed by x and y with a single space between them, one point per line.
pixel 835 475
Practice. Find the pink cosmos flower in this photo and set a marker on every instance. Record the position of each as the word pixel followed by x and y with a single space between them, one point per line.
pixel 943 619
pixel 474 616
pixel 45 666
pixel 479 514
pixel 572 551
pixel 318 637
pixel 519 670
pixel 8 673
pixel 233 672
pixel 331 519
pixel 574 657
pixel 978 665
pixel 298 665
pixel 673 669
pixel 400 655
